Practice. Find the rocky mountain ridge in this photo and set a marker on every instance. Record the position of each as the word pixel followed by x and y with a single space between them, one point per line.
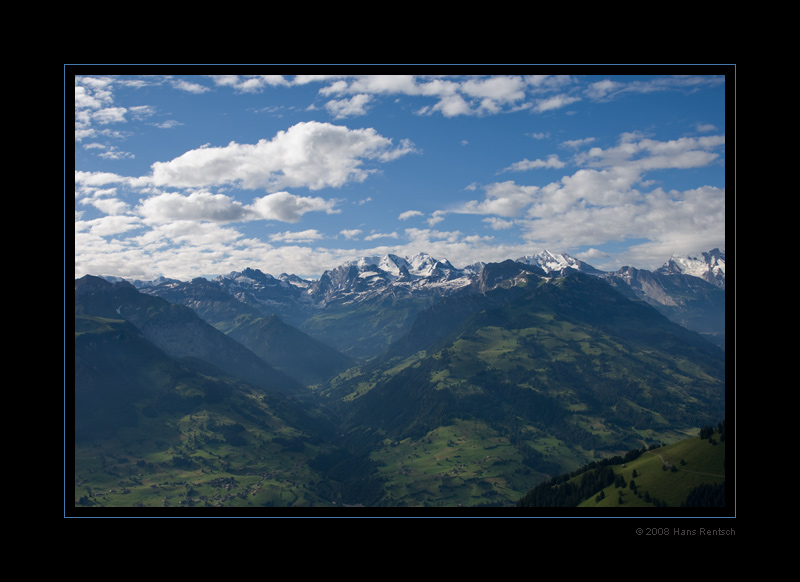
pixel 689 290
pixel 363 278
pixel 176 330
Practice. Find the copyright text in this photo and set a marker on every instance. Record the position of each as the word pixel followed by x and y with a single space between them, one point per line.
pixel 677 531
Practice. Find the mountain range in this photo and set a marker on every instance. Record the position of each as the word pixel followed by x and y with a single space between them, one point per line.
pixel 539 364
pixel 361 307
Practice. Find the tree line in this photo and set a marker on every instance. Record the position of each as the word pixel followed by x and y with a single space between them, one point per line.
pixel 560 491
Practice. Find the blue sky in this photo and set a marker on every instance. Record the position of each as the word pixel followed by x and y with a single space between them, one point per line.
pixel 187 175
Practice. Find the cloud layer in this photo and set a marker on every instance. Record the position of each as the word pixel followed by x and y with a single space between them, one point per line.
pixel 189 216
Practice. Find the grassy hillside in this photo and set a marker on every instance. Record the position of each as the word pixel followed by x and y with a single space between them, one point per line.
pixel 664 477
pixel 688 473
pixel 211 457
pixel 546 365
pixel 463 464
pixel 155 432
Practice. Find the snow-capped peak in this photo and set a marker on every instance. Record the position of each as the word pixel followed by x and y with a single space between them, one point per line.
pixel 549 262
pixel 419 265
pixel 392 264
pixel 708 266
pixel 424 265
pixel 246 276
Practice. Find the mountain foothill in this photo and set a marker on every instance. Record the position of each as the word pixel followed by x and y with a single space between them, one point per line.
pixel 388 381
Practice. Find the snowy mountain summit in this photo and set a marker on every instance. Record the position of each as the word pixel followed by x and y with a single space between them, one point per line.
pixel 370 276
pixel 554 262
pixel 421 265
pixel 378 297
pixel 708 266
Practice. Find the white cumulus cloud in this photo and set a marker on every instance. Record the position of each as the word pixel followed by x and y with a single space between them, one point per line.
pixel 220 208
pixel 409 214
pixel 304 236
pixel 309 154
pixel 288 207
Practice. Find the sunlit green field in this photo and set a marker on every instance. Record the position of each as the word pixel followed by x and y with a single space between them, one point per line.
pixel 185 465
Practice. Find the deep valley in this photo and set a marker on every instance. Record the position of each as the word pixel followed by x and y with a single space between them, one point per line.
pixel 397 382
